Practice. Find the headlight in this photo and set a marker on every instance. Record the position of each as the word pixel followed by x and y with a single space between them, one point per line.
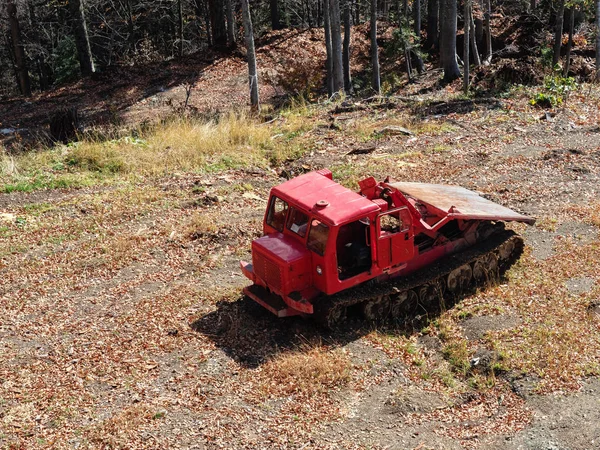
pixel 319 270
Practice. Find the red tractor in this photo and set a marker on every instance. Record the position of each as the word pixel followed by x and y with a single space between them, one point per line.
pixel 384 252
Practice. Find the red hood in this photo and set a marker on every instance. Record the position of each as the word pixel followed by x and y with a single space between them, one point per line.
pixel 282 263
pixel 282 247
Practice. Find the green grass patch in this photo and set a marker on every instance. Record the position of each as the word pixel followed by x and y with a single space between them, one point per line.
pixel 48 180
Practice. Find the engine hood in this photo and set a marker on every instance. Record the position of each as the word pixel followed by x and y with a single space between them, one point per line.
pixel 282 263
pixel 281 247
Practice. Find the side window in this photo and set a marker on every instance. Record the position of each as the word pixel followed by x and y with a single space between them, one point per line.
pixel 277 212
pixel 297 222
pixel 394 222
pixel 317 237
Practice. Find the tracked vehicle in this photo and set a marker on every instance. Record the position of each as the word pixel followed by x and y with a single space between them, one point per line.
pixel 385 252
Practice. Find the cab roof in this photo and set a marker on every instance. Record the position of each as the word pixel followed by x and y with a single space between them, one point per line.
pixel 343 205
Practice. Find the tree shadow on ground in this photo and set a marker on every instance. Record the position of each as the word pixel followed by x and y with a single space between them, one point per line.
pixel 251 335
pixel 457 106
pixel 104 98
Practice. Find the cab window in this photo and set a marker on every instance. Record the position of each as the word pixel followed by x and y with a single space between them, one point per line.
pixel 297 222
pixel 317 237
pixel 352 248
pixel 277 212
pixel 394 222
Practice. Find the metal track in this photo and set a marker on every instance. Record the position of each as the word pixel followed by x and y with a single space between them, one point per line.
pixel 426 290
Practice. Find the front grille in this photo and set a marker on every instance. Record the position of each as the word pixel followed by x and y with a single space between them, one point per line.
pixel 268 271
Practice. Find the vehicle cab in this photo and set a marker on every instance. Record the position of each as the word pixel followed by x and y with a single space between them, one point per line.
pixel 320 237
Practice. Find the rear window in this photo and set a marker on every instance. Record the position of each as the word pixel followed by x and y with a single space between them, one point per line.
pixel 317 237
pixel 277 212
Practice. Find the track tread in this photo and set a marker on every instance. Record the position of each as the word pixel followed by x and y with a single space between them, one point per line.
pixel 428 275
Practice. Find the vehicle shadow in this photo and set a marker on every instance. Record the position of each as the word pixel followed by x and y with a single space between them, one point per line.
pixel 252 336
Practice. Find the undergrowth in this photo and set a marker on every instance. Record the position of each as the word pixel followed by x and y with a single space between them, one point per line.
pixel 180 145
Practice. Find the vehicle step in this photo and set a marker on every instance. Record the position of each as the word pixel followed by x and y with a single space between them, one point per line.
pixel 269 300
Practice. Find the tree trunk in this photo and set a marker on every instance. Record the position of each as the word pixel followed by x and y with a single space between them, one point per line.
pixel 217 23
pixel 473 38
pixel 203 13
pixel 275 19
pixel 597 40
pixel 376 83
pixel 230 23
pixel 433 14
pixel 309 17
pixel 207 24
pixel 39 57
pixel 558 31
pixel 180 28
pixel 328 48
pixel 466 43
pixel 479 33
pixel 82 41
pixel 130 25
pixel 570 43
pixel 346 51
pixel 251 54
pixel 532 5
pixel 448 40
pixel 336 44
pixel 19 52
pixel 487 30
pixel 417 31
pixel 319 13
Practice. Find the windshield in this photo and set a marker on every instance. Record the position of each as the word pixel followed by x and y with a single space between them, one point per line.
pixel 317 237
pixel 277 212
pixel 297 222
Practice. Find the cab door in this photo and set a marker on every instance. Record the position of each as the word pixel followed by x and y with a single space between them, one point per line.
pixel 395 238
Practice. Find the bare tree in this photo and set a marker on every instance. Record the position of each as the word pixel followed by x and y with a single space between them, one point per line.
pixel 417 31
pixel 466 43
pixel 570 42
pixel 376 83
pixel 39 52
pixel 346 50
pixel 179 28
pixel 19 52
pixel 230 23
pixel 328 47
pixel 598 40
pixel 217 23
pixel 433 14
pixel 473 38
pixel 487 30
pixel 82 40
pixel 448 40
pixel 558 31
pixel 336 45
pixel 251 55
pixel 275 18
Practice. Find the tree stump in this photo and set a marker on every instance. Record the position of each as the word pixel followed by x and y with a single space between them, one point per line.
pixel 64 125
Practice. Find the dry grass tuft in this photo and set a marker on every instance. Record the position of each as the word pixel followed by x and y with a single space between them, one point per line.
pixel 179 145
pixel 201 224
pixel 7 164
pixel 310 371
